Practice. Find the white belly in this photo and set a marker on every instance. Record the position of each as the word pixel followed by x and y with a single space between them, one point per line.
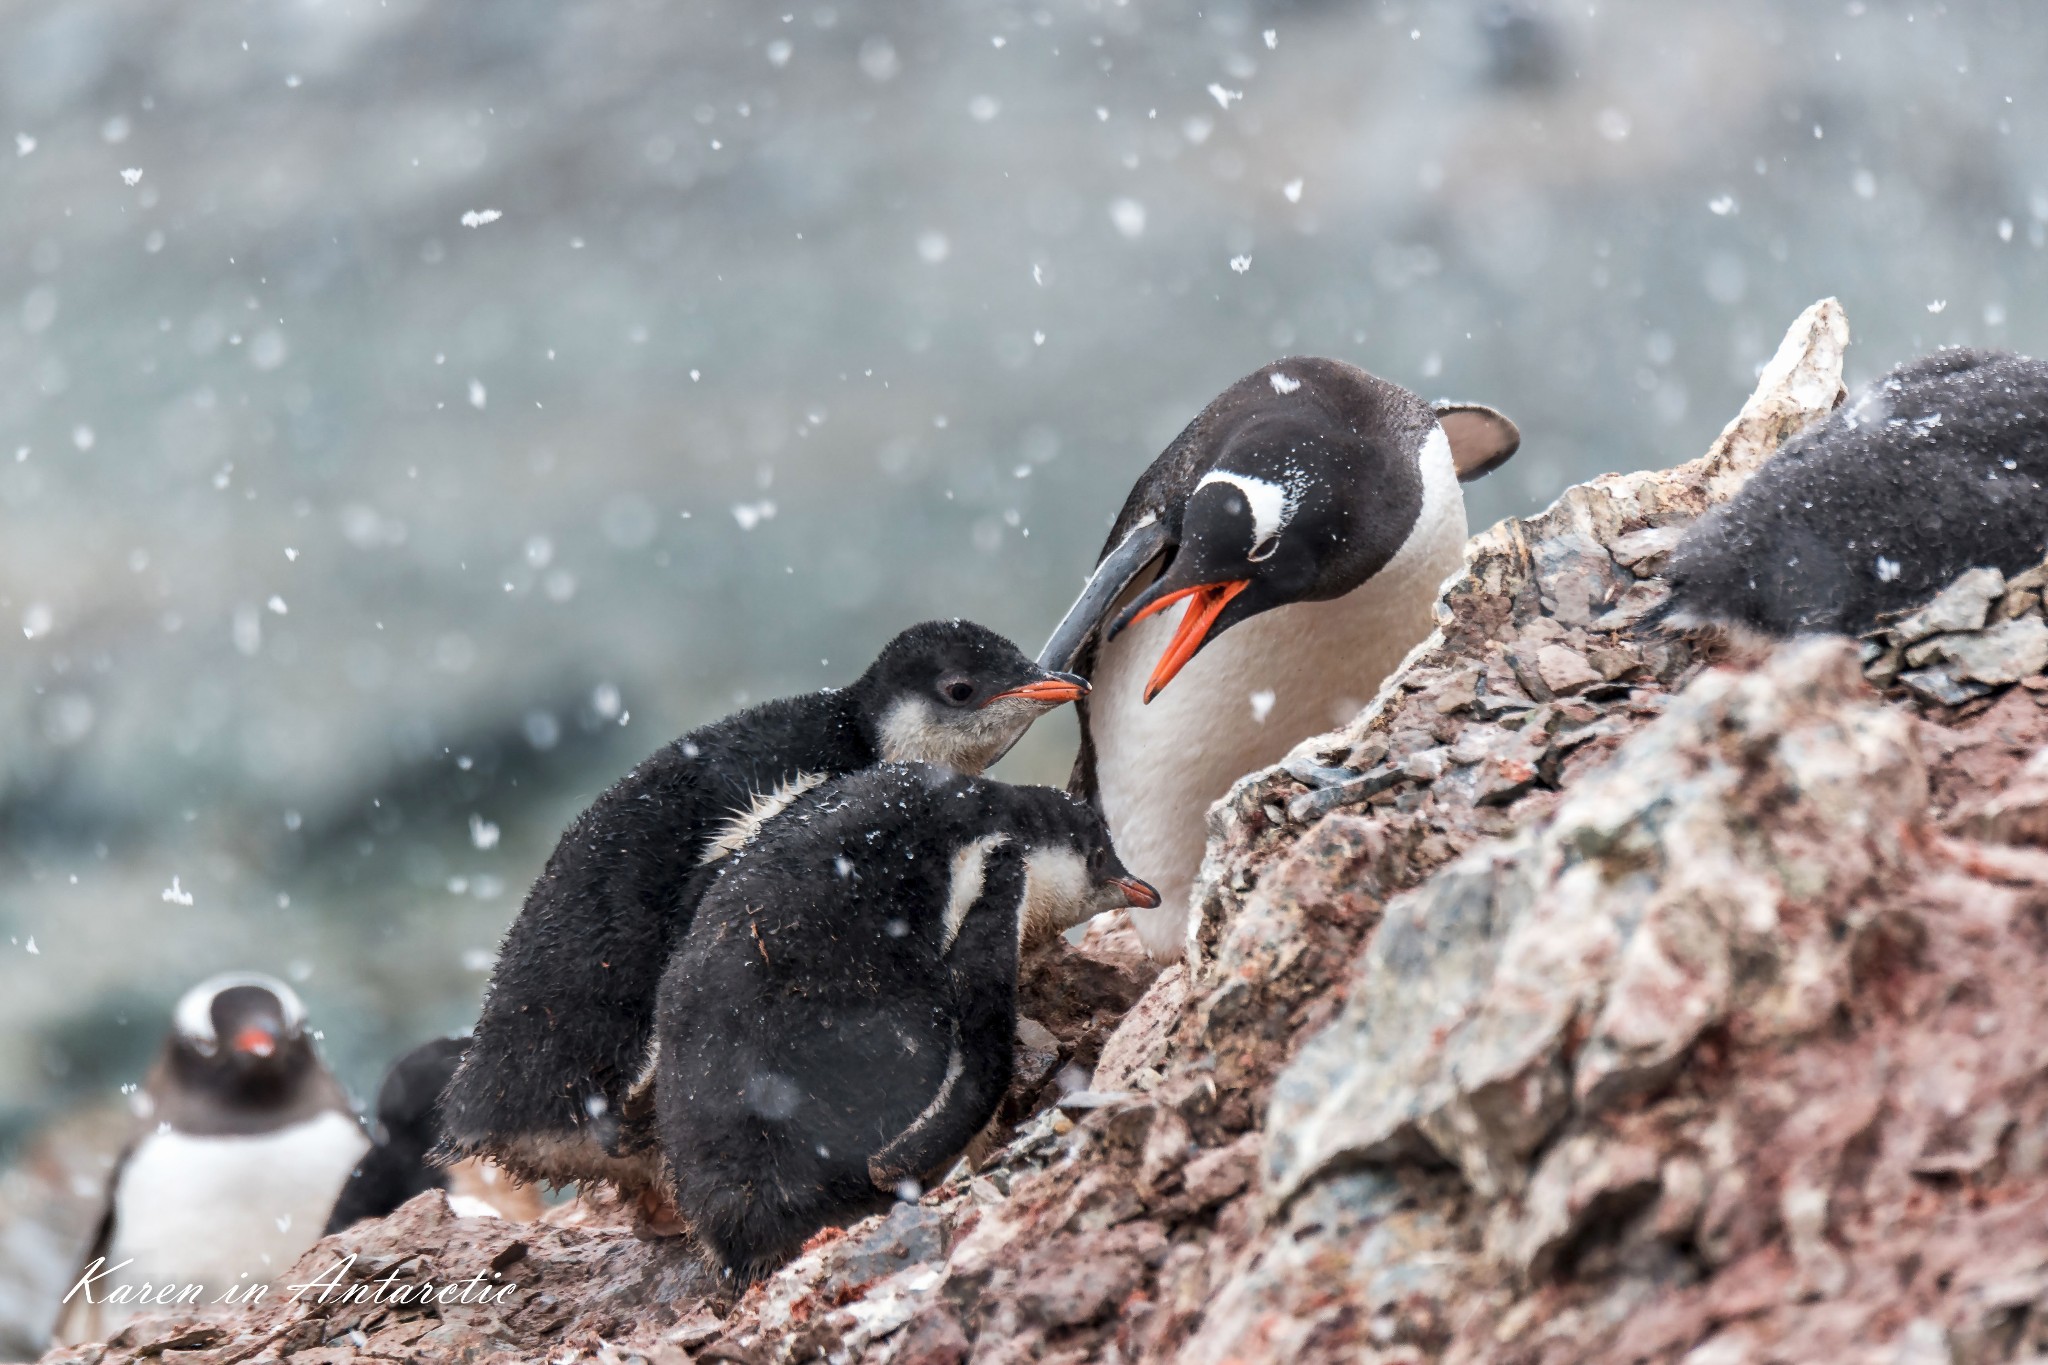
pixel 226 1211
pixel 1161 766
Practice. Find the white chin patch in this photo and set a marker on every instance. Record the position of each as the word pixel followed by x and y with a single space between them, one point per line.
pixel 916 731
pixel 1059 894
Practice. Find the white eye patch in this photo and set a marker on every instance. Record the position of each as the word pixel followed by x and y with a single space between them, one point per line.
pixel 1271 505
pixel 193 1018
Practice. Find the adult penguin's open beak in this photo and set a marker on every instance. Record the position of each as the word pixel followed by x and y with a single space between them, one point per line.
pixel 1206 602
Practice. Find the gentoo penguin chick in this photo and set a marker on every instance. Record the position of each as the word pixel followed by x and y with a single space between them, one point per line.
pixel 247 1139
pixel 1304 521
pixel 839 1020
pixel 566 1023
pixel 397 1166
pixel 1935 469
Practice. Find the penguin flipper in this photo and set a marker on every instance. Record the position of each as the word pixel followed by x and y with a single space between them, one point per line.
pixel 1147 541
pixel 983 966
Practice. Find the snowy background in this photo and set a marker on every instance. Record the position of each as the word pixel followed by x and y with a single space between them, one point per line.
pixel 411 414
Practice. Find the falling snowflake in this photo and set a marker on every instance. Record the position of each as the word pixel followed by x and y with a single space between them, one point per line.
pixel 131 175
pixel 175 894
pixel 1721 205
pixel 482 832
pixel 1224 97
pixel 478 396
pixel 1129 217
pixel 1887 570
pixel 1262 702
pixel 1240 263
pixel 31 948
pixel 277 605
pixel 752 514
pixel 1937 305
pixel 476 218
pixel 1284 383
pixel 1292 189
pixel 23 144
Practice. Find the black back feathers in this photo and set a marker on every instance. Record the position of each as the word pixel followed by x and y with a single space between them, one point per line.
pixel 396 1167
pixel 1937 468
pixel 839 1019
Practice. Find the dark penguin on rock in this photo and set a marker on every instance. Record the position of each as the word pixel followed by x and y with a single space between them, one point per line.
pixel 838 1024
pixel 399 1163
pixel 1935 469
pixel 246 1138
pixel 1303 522
pixel 547 1089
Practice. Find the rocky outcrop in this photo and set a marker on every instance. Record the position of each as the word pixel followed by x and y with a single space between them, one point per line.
pixel 1589 997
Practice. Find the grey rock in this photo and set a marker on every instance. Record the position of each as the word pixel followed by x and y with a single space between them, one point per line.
pixel 1572 967
pixel 1649 544
pixel 1962 605
pixel 2004 653
pixel 1940 684
pixel 1311 806
pixel 1565 671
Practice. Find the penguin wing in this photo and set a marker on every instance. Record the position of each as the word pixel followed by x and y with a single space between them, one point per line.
pixel 77 1319
pixel 982 962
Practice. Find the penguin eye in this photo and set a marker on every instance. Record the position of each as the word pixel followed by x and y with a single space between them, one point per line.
pixel 1265 548
pixel 957 690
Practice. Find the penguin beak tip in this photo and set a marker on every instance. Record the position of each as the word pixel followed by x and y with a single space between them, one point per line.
pixel 255 1042
pixel 1138 894
pixel 1051 690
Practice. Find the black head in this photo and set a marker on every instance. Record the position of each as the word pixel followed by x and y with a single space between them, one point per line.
pixel 956 693
pixel 413 1086
pixel 240 1039
pixel 1073 868
pixel 1308 476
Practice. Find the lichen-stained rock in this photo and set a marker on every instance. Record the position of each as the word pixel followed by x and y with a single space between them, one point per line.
pixel 1704 873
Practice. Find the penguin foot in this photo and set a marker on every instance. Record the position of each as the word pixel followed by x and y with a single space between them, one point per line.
pixel 655 1216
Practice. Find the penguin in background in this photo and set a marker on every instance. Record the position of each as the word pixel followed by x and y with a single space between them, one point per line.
pixel 1304 523
pixel 838 1024
pixel 246 1139
pixel 397 1166
pixel 1935 469
pixel 548 1088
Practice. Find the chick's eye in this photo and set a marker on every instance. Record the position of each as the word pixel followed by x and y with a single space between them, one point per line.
pixel 959 691
pixel 1264 549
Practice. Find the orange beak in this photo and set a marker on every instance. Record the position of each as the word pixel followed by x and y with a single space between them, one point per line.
pixel 1048 691
pixel 1206 602
pixel 255 1042
pixel 1137 893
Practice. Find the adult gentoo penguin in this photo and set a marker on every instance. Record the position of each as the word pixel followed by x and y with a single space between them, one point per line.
pixel 566 1023
pixel 839 1020
pixel 1304 522
pixel 1934 469
pixel 406 1130
pixel 246 1139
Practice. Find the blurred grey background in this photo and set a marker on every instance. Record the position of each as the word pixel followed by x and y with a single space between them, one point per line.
pixel 411 414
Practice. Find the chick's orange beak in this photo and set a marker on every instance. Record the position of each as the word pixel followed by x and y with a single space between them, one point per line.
pixel 1206 602
pixel 1061 687
pixel 1139 894
pixel 255 1042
